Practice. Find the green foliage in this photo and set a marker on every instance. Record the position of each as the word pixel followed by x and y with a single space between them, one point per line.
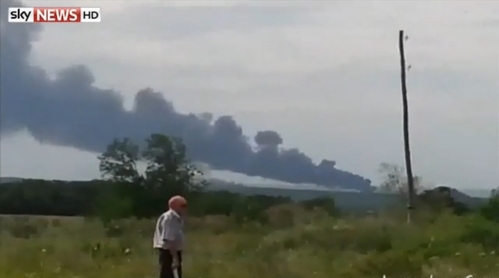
pixel 308 243
pixel 440 199
pixel 112 200
pixel 114 229
pixel 212 203
pixel 24 229
pixel 42 197
pixel 119 162
pixel 327 204
pixel 232 235
pixel 393 263
pixel 111 204
pixel 494 193
pixel 491 209
pixel 482 232
pixel 168 166
pixel 168 173
pixel 127 192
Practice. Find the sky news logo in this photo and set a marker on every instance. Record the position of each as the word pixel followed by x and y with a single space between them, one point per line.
pixel 54 14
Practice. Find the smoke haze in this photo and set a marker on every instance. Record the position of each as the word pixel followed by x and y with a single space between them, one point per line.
pixel 70 111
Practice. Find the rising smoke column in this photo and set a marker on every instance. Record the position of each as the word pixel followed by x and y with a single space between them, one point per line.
pixel 71 111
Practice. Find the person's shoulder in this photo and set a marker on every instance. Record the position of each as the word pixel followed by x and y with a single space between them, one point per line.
pixel 163 216
pixel 170 214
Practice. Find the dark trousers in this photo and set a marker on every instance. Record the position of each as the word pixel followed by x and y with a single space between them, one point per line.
pixel 165 263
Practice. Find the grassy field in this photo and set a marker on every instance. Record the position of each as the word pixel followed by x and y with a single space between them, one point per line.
pixel 294 244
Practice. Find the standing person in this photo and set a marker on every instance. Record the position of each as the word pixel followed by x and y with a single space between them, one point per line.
pixel 169 237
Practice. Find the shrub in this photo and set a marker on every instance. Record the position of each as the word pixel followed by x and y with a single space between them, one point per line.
pixel 395 263
pixel 491 209
pixel 114 229
pixel 483 232
pixel 327 204
pixel 21 227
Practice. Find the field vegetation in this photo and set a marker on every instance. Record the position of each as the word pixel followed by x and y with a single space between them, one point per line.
pixel 106 229
pixel 293 242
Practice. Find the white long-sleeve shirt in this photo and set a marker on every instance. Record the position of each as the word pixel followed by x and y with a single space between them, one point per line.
pixel 169 227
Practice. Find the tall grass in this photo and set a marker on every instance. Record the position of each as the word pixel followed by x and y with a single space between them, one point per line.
pixel 293 244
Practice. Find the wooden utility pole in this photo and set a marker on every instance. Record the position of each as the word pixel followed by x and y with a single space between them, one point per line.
pixel 407 150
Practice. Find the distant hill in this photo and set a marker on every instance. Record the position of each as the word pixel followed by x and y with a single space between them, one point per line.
pixel 344 199
pixel 347 200
pixel 9 179
pixel 478 193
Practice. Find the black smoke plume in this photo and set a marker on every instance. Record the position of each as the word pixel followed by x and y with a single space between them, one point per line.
pixel 71 111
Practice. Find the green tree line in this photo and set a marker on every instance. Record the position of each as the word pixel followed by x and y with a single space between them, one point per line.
pixel 126 191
